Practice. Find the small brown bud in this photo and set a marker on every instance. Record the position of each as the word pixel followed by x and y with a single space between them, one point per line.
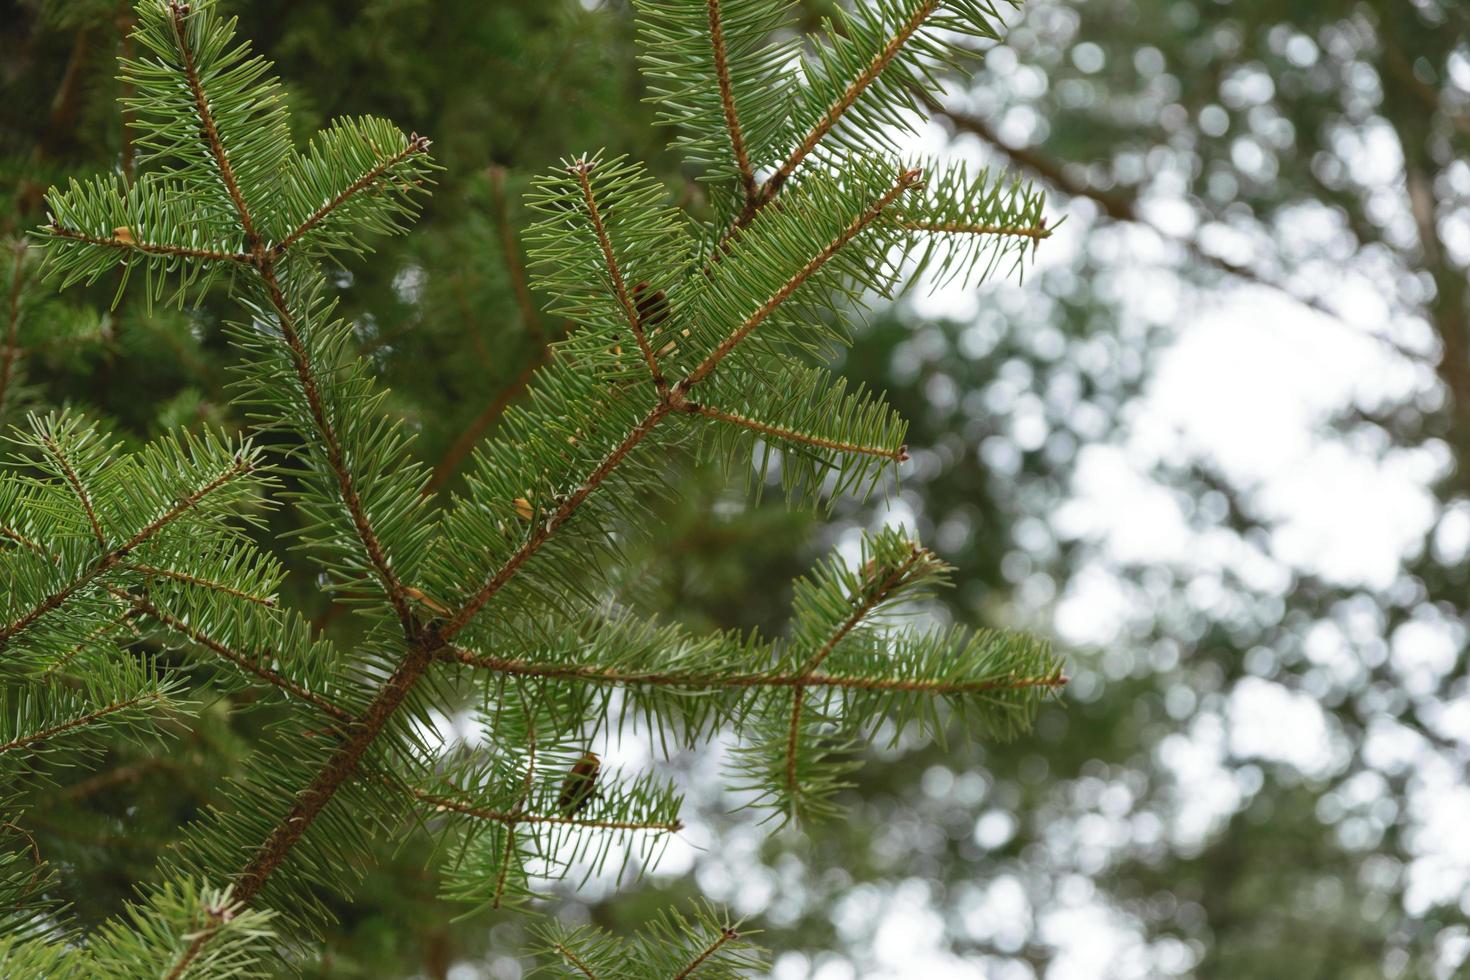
pixel 124 234
pixel 576 791
pixel 524 508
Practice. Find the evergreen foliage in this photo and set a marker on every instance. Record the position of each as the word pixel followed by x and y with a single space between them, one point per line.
pixel 685 338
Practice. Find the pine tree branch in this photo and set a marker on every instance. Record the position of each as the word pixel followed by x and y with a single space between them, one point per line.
pixel 517 811
pixel 426 642
pixel 1034 232
pixel 695 681
pixel 90 718
pixel 203 583
pixel 727 103
pixel 449 804
pixel 130 244
pixel 247 663
pixel 850 95
pixel 214 919
pixel 211 132
pixel 114 557
pixel 416 144
pixel 20 539
pixel 906 180
pixel 792 435
pixel 572 958
pixel 72 480
pixel 580 170
pixel 866 601
pixel 100 631
pixel 336 460
pixel 340 765
pixel 726 935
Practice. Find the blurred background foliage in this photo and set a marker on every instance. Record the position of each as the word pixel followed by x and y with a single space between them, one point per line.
pixel 1289 163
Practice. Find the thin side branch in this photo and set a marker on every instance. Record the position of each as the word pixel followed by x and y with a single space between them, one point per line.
pixel 155 572
pixel 694 681
pixel 447 804
pixel 513 266
pixel 247 663
pixel 727 103
pixel 849 96
pixel 416 144
pixel 906 180
pixel 110 560
pixel 1034 232
pixel 90 718
pixel 214 919
pixel 573 959
pixel 130 244
pixel 84 498
pixel 12 331
pixel 898 455
pixel 635 320
pixel 726 935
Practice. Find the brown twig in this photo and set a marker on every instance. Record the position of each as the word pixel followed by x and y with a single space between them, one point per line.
pixel 470 437
pixel 791 435
pixel 726 935
pixel 575 961
pixel 512 255
pixel 581 170
pixel 80 722
pixel 203 583
pixel 130 244
pixel 416 144
pixel 116 555
pixel 727 103
pixel 76 486
pixel 12 333
pixel 696 681
pixel 1034 232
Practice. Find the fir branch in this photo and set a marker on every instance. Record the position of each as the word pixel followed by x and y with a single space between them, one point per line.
pixel 575 961
pixel 83 721
pixel 791 435
pixel 73 481
pixel 178 11
pixel 214 919
pixel 906 180
pixel 695 681
pixel 1035 232
pixel 516 812
pixel 332 446
pixel 77 648
pixel 250 664
pixel 126 243
pixel 515 816
pixel 416 144
pixel 113 558
pixel 203 583
pixel 727 104
pixel 850 95
pixel 580 169
pixel 20 539
pixel 726 935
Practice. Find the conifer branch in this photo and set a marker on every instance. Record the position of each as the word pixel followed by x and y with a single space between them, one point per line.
pixel 179 11
pixel 127 243
pixel 340 765
pixel 791 435
pixel 580 170
pixel 726 935
pixel 250 664
pixel 727 104
pixel 77 648
pixel 866 602
pixel 90 718
pixel 575 961
pixel 214 919
pixel 906 180
pixel 114 557
pixel 73 481
pixel 515 816
pixel 336 460
pixel 850 95
pixel 20 539
pixel 503 873
pixel 416 144
pixel 203 583
pixel 1034 232
pixel 694 681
